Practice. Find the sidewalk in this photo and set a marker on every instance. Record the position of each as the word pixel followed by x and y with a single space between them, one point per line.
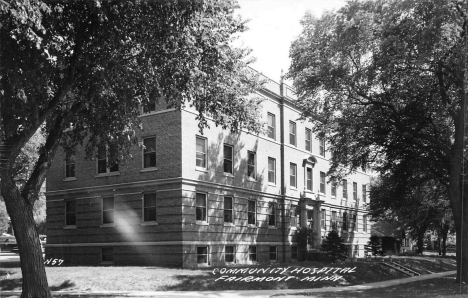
pixel 240 293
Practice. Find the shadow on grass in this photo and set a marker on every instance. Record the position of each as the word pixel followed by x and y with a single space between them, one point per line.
pixel 66 284
pixel 11 284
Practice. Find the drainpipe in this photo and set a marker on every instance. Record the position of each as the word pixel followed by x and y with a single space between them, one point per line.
pixel 283 186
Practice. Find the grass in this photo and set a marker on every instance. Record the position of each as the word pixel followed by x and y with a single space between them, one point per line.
pixel 163 279
pixel 437 287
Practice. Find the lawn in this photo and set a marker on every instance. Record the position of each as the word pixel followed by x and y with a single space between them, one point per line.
pixel 437 287
pixel 297 276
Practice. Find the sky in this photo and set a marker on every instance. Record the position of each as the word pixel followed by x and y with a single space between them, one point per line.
pixel 273 26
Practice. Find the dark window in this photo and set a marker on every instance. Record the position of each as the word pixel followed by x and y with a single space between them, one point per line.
pixel 323 216
pixel 202 255
pixel 251 164
pixel 228 159
pixel 364 193
pixel 292 133
pixel 271 214
pixel 70 213
pixel 333 187
pixel 322 146
pixel 355 223
pixel 364 223
pixel 345 222
pixel 251 213
pixel 310 219
pixel 309 178
pixel 271 126
pixel 308 140
pixel 292 175
pixel 293 218
pixel 107 159
pixel 322 182
pixel 294 252
pixel 149 152
pixel 272 253
pixel 355 191
pixel 253 253
pixel 333 221
pixel 107 254
pixel 271 170
pixel 107 210
pixel 69 165
pixel 102 160
pixel 345 189
pixel 229 253
pixel 149 207
pixel 228 209
pixel 201 152
pixel 200 206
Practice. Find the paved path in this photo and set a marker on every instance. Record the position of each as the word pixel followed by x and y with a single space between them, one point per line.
pixel 241 293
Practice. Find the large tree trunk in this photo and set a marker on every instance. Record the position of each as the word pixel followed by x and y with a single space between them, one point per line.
pixel 32 263
pixel 445 229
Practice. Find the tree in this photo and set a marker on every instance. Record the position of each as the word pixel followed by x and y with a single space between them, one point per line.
pixel 79 71
pixel 4 220
pixel 375 245
pixel 305 237
pixel 385 82
pixel 333 244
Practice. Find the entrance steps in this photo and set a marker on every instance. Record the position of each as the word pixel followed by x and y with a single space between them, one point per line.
pixel 401 268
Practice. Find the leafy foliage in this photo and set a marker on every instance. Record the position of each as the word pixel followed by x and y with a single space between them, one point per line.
pixel 333 244
pixel 375 245
pixel 4 221
pixel 305 238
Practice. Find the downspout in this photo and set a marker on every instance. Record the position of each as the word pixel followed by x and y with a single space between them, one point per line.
pixel 283 186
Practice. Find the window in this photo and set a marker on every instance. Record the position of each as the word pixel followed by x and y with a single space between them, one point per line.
pixel 150 106
pixel 271 214
pixel 294 220
pixel 322 146
pixel 200 206
pixel 364 223
pixel 149 152
pixel 333 187
pixel 271 126
pixel 292 133
pixel 229 254
pixel 70 213
pixel 104 154
pixel 310 219
pixel 69 165
pixel 364 193
pixel 333 221
pixel 252 212
pixel 345 222
pixel 201 152
pixel 323 216
pixel 356 250
pixel 355 191
pixel 108 210
pixel 345 189
pixel 202 255
pixel 272 253
pixel 227 159
pixel 292 175
pixel 308 140
pixel 251 164
pixel 228 209
pixel 309 178
pixel 253 253
pixel 355 223
pixel 271 170
pixel 149 207
pixel 294 252
pixel 107 255
pixel 322 182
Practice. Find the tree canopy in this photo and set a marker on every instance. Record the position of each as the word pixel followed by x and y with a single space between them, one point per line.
pixel 384 81
pixel 87 67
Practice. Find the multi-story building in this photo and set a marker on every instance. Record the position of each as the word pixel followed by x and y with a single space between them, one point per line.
pixel 190 199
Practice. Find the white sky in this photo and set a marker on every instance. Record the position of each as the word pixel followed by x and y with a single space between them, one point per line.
pixel 273 25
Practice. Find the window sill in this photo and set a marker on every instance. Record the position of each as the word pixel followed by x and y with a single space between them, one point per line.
pixel 69 227
pixel 272 227
pixel 204 265
pixel 148 170
pixel 149 223
pixel 107 174
pixel 201 169
pixel 108 225
pixel 202 223
pixel 107 263
pixel 293 188
pixel 70 179
pixel 271 184
pixel 229 224
pixel 228 175
pixel 252 226
pixel 251 179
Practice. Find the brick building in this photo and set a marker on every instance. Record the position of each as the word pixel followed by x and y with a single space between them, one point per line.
pixel 187 199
